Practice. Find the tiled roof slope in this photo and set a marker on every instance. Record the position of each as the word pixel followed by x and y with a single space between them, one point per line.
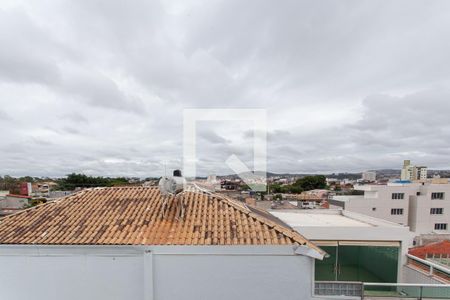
pixel 438 248
pixel 132 216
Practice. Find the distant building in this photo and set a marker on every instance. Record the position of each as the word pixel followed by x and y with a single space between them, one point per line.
pixel 212 179
pixel 26 188
pixel 423 206
pixel 11 203
pixel 59 194
pixel 422 173
pixel 212 183
pixel 369 176
pixel 309 199
pixel 410 172
pixel 230 185
pixel 282 181
pixel 332 181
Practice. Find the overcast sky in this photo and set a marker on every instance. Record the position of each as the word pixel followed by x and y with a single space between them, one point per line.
pixel 99 87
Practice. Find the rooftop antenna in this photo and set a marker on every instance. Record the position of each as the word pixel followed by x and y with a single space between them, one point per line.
pixel 173 187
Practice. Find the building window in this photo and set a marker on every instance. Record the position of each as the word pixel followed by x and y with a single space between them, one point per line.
pixel 398 196
pixel 440 226
pixel 435 196
pixel 436 211
pixel 397 211
pixel 374 208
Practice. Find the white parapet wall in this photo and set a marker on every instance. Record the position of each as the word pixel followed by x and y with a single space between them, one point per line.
pixel 419 270
pixel 147 273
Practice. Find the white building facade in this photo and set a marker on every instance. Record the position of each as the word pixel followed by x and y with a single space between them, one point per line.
pixel 369 176
pixel 423 206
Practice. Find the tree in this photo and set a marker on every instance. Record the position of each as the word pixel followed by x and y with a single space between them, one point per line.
pixel 278 197
pixel 308 183
pixel 80 180
pixel 294 189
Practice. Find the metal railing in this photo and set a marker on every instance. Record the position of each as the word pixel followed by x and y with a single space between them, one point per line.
pixel 405 290
pixel 431 268
pixel 371 290
pixel 441 259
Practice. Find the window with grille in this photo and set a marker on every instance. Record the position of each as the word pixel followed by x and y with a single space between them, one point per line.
pixel 436 211
pixel 435 196
pixel 440 226
pixel 398 196
pixel 397 211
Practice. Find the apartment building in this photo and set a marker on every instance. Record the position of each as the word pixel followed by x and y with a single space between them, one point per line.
pixel 411 172
pixel 423 206
pixel 369 176
pixel 430 209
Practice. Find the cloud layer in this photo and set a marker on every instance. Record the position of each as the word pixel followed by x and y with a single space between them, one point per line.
pixel 100 86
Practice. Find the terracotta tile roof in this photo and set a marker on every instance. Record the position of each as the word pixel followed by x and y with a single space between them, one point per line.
pixel 437 248
pixel 132 216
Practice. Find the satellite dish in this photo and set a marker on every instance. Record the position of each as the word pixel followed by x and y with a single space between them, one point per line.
pixel 172 185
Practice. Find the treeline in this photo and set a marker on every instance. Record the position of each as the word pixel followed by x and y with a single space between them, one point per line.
pixel 73 181
pixel 306 183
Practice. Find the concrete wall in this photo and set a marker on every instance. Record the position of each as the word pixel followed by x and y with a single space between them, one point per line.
pixel 116 273
pixel 71 276
pixel 13 202
pixel 232 277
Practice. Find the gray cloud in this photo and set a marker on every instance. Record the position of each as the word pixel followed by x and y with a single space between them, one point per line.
pixel 100 86
pixel 4 116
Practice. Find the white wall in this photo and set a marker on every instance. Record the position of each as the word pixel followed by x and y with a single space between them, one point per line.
pixel 379 197
pixel 232 277
pixel 71 277
pixel 422 221
pixel 13 202
pixel 148 273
